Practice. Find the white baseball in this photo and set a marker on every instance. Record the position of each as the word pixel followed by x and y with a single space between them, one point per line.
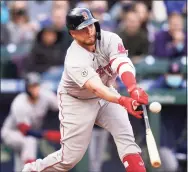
pixel 155 107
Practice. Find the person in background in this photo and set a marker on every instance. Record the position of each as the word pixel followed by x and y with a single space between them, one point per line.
pixel 99 10
pixel 117 9
pixel 173 79
pixel 171 43
pixel 57 21
pixel 143 13
pixel 172 118
pixel 22 127
pixel 63 5
pixel 46 51
pixel 39 9
pixel 20 28
pixel 134 39
pixel 83 4
pixel 175 6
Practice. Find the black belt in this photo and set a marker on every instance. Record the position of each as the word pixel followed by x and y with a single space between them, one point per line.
pixel 80 98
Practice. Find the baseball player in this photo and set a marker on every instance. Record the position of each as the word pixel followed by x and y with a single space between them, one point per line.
pixel 93 61
pixel 22 126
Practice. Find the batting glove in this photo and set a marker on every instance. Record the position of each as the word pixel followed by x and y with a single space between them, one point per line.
pixel 52 135
pixel 139 95
pixel 130 105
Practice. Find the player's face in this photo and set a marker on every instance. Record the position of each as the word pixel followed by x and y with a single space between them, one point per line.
pixel 85 36
pixel 34 90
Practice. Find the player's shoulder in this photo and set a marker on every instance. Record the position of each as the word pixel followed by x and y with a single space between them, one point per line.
pixel 20 96
pixel 19 99
pixel 77 55
pixel 107 36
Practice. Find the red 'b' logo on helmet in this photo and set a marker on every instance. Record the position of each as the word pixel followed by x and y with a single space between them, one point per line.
pixel 85 15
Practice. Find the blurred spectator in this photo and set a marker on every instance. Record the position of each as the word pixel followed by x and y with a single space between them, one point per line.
pixel 99 10
pixel 46 51
pixel 175 6
pixel 143 13
pixel 63 5
pixel 83 4
pixel 4 13
pixel 39 9
pixel 171 43
pixel 57 21
pixel 117 9
pixel 20 29
pixel 173 79
pixel 134 39
pixel 171 121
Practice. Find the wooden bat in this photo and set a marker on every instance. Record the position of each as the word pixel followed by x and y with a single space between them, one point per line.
pixel 150 141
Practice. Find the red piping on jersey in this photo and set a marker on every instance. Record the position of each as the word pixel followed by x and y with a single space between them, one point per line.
pixel 127 77
pixel 60 94
pixel 61 112
pixel 23 127
pixel 122 63
pixel 29 161
pixel 112 61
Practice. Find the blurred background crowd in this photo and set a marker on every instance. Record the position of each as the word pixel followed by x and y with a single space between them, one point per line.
pixel 34 37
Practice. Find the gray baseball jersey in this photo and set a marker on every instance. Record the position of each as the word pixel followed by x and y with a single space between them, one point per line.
pixel 79 109
pixel 81 65
pixel 23 111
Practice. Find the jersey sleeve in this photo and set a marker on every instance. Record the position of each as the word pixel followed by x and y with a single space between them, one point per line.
pixel 19 112
pixel 116 47
pixel 80 75
pixel 119 56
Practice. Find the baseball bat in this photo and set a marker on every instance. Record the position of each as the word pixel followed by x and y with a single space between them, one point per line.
pixel 150 141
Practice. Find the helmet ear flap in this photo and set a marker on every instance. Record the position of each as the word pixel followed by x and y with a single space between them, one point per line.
pixel 98 30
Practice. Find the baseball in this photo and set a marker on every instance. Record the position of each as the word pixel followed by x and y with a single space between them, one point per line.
pixel 155 107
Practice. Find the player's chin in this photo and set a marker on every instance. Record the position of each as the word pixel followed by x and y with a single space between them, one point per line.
pixel 90 42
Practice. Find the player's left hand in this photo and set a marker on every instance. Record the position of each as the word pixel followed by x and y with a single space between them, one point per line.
pixel 139 95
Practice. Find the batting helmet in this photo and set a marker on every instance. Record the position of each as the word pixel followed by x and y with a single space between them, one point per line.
pixel 79 18
pixel 32 78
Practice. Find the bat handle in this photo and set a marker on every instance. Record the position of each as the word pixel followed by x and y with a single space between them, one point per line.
pixel 146 117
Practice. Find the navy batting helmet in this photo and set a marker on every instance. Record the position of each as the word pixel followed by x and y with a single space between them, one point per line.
pixel 79 18
pixel 31 78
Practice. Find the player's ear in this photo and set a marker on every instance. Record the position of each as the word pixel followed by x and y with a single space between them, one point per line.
pixel 72 33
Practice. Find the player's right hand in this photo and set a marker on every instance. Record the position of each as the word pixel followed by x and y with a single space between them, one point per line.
pixel 139 95
pixel 130 105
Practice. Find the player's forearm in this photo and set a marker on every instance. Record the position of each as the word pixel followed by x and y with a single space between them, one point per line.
pixel 125 70
pixel 106 94
pixel 96 86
